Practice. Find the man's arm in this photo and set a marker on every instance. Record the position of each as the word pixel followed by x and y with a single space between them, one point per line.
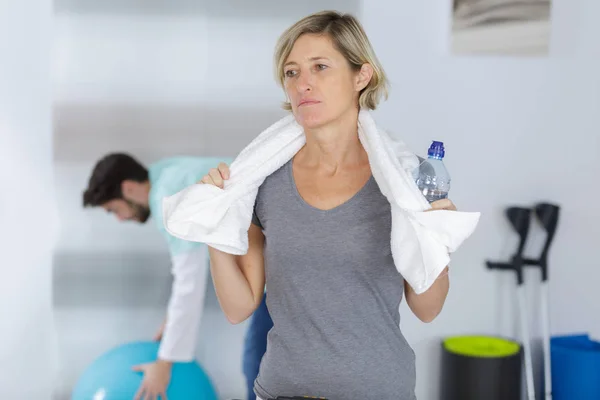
pixel 186 303
pixel 190 274
pixel 190 270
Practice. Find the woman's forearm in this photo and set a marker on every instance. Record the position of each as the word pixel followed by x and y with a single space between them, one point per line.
pixel 428 305
pixel 231 286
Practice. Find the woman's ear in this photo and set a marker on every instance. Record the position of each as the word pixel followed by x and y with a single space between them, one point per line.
pixel 363 77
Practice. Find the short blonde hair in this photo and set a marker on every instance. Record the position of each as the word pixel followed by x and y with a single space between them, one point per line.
pixel 349 38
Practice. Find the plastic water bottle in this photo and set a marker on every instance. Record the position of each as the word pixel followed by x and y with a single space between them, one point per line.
pixel 432 177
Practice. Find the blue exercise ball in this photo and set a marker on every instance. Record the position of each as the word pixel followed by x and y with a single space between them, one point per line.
pixel 110 376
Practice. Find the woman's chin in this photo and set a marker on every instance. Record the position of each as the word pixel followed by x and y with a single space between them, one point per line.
pixel 310 120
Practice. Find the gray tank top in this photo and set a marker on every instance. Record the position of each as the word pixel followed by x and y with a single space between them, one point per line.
pixel 333 295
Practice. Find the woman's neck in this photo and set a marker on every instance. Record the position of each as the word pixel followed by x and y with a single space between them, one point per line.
pixel 333 146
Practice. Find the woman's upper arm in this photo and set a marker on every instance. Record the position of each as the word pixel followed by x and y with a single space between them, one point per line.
pixel 252 263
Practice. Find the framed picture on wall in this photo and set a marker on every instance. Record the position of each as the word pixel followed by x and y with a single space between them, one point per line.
pixel 501 27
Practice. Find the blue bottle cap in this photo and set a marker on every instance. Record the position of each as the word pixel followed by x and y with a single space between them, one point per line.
pixel 436 150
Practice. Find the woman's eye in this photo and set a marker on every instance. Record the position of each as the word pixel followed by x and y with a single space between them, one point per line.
pixel 290 73
pixel 321 66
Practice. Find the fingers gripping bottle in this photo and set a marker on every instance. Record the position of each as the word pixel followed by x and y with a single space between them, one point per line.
pixel 432 177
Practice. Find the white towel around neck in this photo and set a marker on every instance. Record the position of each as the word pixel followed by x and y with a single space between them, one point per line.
pixel 421 242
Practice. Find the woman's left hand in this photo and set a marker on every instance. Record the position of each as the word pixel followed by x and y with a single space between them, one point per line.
pixel 444 204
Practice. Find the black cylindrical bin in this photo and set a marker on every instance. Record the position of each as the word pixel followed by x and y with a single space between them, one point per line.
pixel 480 368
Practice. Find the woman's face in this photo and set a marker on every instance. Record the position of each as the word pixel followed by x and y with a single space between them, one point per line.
pixel 319 82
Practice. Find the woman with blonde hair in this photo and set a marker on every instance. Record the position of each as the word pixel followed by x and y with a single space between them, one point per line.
pixel 320 237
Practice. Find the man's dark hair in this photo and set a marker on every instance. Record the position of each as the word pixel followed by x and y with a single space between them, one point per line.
pixel 108 175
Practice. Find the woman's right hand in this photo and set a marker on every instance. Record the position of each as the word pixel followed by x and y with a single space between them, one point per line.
pixel 216 176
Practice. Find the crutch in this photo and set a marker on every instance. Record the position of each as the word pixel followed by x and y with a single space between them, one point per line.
pixel 519 218
pixel 547 215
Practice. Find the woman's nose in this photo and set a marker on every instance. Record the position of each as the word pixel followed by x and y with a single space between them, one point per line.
pixel 305 82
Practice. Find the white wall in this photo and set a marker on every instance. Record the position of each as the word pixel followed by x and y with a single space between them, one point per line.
pixel 27 207
pixel 124 78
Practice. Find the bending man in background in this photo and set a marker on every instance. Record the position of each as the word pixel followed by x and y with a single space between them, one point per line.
pixel 124 187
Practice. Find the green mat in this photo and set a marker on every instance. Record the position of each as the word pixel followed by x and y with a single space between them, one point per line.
pixel 481 346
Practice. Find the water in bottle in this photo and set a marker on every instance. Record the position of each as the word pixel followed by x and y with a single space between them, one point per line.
pixel 432 177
